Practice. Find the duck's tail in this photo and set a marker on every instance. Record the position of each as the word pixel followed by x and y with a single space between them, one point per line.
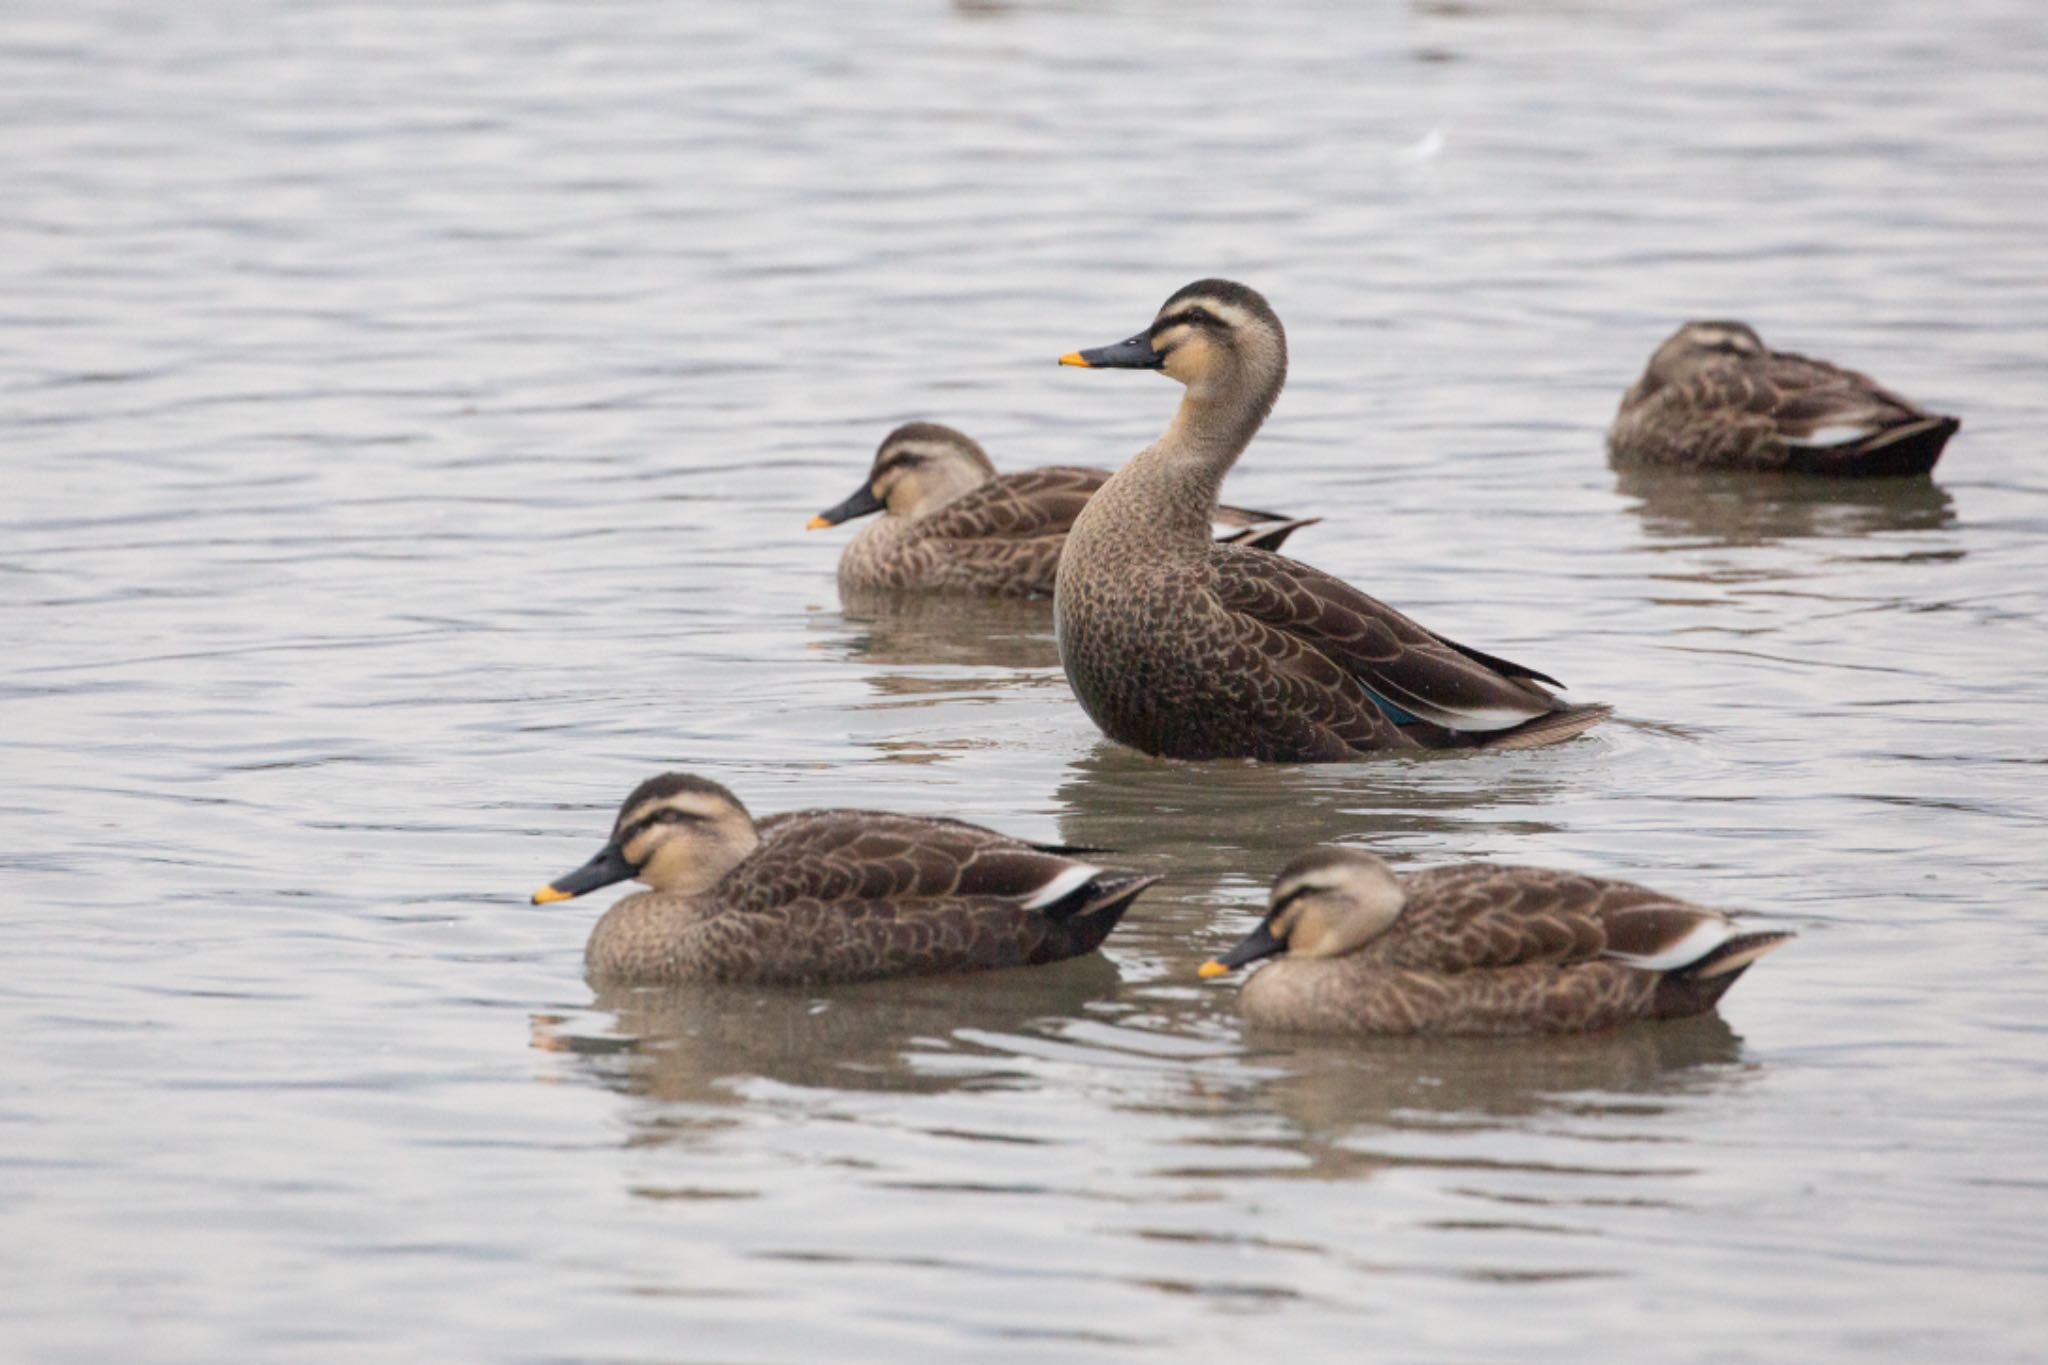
pixel 1554 727
pixel 1085 917
pixel 1893 452
pixel 1695 987
pixel 1267 535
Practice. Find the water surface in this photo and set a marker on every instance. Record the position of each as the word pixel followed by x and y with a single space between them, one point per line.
pixel 408 416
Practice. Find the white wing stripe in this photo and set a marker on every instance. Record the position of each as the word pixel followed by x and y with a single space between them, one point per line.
pixel 1835 435
pixel 1062 886
pixel 1697 942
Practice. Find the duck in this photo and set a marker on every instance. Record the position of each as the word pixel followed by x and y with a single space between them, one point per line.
pixel 951 524
pixel 1715 397
pixel 1188 649
pixel 1478 948
pixel 821 896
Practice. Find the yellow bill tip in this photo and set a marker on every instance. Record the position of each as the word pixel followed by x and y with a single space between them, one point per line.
pixel 817 523
pixel 1212 968
pixel 1074 358
pixel 547 895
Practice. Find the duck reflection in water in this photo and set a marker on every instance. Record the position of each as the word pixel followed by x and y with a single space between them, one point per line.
pixel 1349 1104
pixel 704 1043
pixel 1240 820
pixel 1734 509
pixel 927 630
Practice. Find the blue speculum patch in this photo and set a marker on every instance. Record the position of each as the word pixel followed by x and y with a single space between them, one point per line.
pixel 1393 712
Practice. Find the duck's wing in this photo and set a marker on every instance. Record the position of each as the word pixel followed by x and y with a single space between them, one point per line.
pixel 855 855
pixel 1403 666
pixel 1834 420
pixel 1810 399
pixel 1022 506
pixel 1479 916
pixel 1796 398
pixel 1044 502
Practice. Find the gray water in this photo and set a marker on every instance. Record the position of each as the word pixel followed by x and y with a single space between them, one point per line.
pixel 409 415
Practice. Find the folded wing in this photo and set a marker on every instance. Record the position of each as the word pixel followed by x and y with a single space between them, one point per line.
pixel 852 855
pixel 1403 666
pixel 1480 916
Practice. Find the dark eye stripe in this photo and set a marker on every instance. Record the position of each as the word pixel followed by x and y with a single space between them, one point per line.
pixel 1193 316
pixel 666 816
pixel 900 459
pixel 1290 898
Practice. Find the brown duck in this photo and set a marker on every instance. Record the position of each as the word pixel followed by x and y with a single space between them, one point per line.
pixel 829 895
pixel 1189 649
pixel 1479 949
pixel 1715 397
pixel 951 524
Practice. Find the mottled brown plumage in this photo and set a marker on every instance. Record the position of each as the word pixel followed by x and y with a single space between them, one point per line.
pixel 1715 397
pixel 1181 647
pixel 1479 949
pixel 829 895
pixel 950 524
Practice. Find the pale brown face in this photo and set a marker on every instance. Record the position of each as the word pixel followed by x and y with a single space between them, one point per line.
pixel 1332 909
pixel 676 833
pixel 920 466
pixel 1325 904
pixel 685 842
pixel 918 473
pixel 1201 337
pixel 1210 334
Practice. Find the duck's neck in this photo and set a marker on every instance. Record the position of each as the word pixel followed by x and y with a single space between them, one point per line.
pixel 1180 476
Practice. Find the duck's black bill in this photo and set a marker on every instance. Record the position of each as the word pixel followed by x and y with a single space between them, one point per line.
pixel 1257 944
pixel 863 502
pixel 608 866
pixel 1134 354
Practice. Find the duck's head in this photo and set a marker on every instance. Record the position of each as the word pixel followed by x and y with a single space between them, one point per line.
pixel 918 467
pixel 1326 903
pixel 675 833
pixel 1213 335
pixel 1701 343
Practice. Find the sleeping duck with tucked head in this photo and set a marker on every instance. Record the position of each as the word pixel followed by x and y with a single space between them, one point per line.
pixel 820 896
pixel 1189 649
pixel 1715 397
pixel 1478 948
pixel 949 523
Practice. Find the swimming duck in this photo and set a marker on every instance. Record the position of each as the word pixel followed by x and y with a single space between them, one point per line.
pixel 829 895
pixel 1715 397
pixel 1478 948
pixel 1189 649
pixel 952 524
